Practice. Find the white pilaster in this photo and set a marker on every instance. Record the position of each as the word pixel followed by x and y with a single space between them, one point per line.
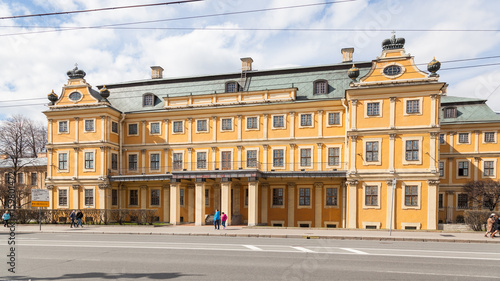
pixel 200 204
pixel 392 115
pixel 354 113
pixel 265 121
pixel 76 129
pixel 352 203
pixel 226 200
pixel 292 157
pixel 292 125
pixel 190 130
pixel 433 110
pixel 175 208
pixel 320 157
pixel 239 127
pixel 320 123
pixel 391 152
pixel 166 130
pixel 253 203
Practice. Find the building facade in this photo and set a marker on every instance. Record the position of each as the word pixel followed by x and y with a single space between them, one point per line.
pixel 324 146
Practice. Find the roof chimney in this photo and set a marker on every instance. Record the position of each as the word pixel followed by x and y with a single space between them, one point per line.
pixel 157 72
pixel 347 54
pixel 246 64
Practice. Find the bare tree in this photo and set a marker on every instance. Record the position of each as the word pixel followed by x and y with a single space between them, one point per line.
pixel 36 137
pixel 485 192
pixel 22 192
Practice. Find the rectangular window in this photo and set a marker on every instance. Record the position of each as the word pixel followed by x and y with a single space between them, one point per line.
pixel 134 197
pixel 63 126
pixel 450 112
pixel 181 197
pixel 440 201
pixel 412 150
pixel 114 127
pixel 114 161
pixel 331 197
pixel 178 126
pixel 20 178
pixel 89 197
pixel 372 109
pixel 154 128
pixel 201 126
pixel 148 100
pixel 411 195
pixel 305 120
pixel 304 196
pixel 441 169
pixel 277 196
pixel 226 160
pixel 463 138
pixel 463 168
pixel 463 201
pixel 227 124
pixel 279 121
pixel 201 160
pixel 320 87
pixel 63 161
pixel 89 160
pixel 372 151
pixel 334 118
pixel 207 197
pixel 251 158
pixel 252 123
pixel 132 162
pixel 489 168
pixel 489 137
pixel 154 161
pixel 63 197
pixel 155 197
pixel 114 197
pixel 278 160
pixel 371 195
pixel 177 161
pixel 333 156
pixel 89 125
pixel 412 106
pixel 442 139
pixel 132 129
pixel 33 178
pixel 305 157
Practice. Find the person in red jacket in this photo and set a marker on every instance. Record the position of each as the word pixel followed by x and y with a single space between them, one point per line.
pixel 223 219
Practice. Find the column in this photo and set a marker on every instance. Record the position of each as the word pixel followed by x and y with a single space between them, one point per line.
pixel 353 154
pixel 214 157
pixel 102 195
pixel 76 196
pixel 292 157
pixel 433 110
pixel 226 200
pixel 292 125
pixel 165 121
pixel 476 168
pixel 318 204
pixel 433 151
pixel 352 203
pixel 236 199
pixel 320 156
pixel 76 129
pixel 320 123
pixel 392 138
pixel 240 165
pixel 354 113
pixel 49 131
pixel 265 159
pixel 476 141
pixel 214 128
pixel 200 203
pixel 265 125
pixel 165 150
pixel 49 167
pixel 432 204
pixel 143 123
pixel 190 159
pixel 144 196
pixel 239 127
pixel 166 202
pixel 253 203
pixel 392 113
pixel 190 130
pixel 142 168
pixel 103 127
pixel 390 203
pixel 452 134
pixel 265 203
pixel 175 208
pixel 103 162
pixel 107 124
pixel 190 202
pixel 75 174
pixel 450 170
pixel 216 189
pixel 291 204
pixel 449 206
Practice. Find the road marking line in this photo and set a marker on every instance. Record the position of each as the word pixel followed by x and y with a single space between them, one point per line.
pixel 251 247
pixel 302 249
pixel 354 251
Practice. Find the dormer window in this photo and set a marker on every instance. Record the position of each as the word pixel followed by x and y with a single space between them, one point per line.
pixel 450 112
pixel 320 87
pixel 232 87
pixel 148 100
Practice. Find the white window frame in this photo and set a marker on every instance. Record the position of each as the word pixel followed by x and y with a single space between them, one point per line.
pixel 417 225
pixel 339 146
pixel 420 153
pixel 371 223
pixel 232 157
pixel 67 198
pixel 128 128
pixel 67 160
pixel 271 189
pixel 419 198
pixel 469 168
pixel 379 160
pixel 324 197
pixel 111 161
pixel 159 160
pixel 232 124
pixel 311 197
pixel 150 193
pixel 183 158
pixel 420 106
pixel 309 223
pixel 246 123
pixel 93 196
pixel 312 120
pixel 196 126
pixel 111 127
pixel 403 70
pixel 207 162
pixel 67 126
pixel 299 149
pixel 468 138
pixel 85 127
pixel 173 127
pixel 380 112
pixel 444 169
pixel 378 185
pixel 441 193
pixel 246 159
pixel 128 161
pixel 138 197
pixel 94 160
pixel 456 201
pixel 284 122
pixel 159 128
pixel 494 137
pixel 284 157
pixel 494 160
pixel 328 118
pixel 444 138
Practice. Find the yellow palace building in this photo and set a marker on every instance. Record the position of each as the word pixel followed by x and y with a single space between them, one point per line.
pixel 372 145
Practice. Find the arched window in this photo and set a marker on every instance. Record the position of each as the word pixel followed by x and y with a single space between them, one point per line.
pixel 148 100
pixel 320 87
pixel 232 87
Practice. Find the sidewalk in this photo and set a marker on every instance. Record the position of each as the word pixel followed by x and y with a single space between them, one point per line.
pixel 268 232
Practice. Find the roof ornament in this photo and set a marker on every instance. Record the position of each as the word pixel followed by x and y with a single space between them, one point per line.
pixel 393 42
pixel 52 97
pixel 104 92
pixel 353 73
pixel 433 66
pixel 76 73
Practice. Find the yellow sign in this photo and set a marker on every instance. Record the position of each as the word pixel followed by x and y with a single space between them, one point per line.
pixel 39 203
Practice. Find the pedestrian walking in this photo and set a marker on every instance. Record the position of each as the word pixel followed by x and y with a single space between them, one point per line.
pixel 79 217
pixel 223 219
pixel 72 217
pixel 217 219
pixel 6 218
pixel 496 226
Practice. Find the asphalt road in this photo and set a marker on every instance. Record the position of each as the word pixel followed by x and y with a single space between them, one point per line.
pixel 150 257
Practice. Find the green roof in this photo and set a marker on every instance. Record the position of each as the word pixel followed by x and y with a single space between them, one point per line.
pixel 469 110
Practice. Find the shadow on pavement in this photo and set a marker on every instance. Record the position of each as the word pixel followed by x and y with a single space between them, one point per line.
pixel 117 276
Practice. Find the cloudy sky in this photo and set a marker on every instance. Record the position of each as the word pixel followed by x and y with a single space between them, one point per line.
pixel 210 37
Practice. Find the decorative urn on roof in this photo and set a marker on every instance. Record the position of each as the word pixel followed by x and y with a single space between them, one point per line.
pixel 353 72
pixel 52 97
pixel 104 92
pixel 76 73
pixel 393 43
pixel 433 66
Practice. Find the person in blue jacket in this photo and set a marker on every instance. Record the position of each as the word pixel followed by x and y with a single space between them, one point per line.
pixel 72 217
pixel 217 219
pixel 6 218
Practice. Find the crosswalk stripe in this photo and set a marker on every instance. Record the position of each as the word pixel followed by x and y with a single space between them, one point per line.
pixel 252 247
pixel 302 249
pixel 354 251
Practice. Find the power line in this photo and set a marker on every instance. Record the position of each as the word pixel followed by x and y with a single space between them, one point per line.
pixel 98 10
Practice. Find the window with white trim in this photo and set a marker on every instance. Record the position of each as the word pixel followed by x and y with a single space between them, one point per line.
pixel 489 137
pixel 320 87
pixel 63 197
pixel 463 168
pixel 373 109
pixel 306 120
pixel 132 162
pixel 148 100
pixel 412 150
pixel 278 158
pixel 89 160
pixel 462 201
pixel 89 197
pixel 371 195
pixel 63 161
pixel 412 106
pixel 177 159
pixel 154 161
pixel 279 121
pixel 132 129
pixel 441 169
pixel 227 124
pixel 277 196
pixel 114 161
pixel 201 160
pixel 372 151
pixel 463 137
pixel 489 168
pixel 155 197
pixel 154 128
pixel 305 157
pixel 331 197
pixel 333 156
pixel 304 196
pixel 89 125
pixel 226 160
pixel 411 195
pixel 201 125
pixel 334 118
pixel 178 127
pixel 251 158
pixel 63 126
pixel 252 123
pixel 114 127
